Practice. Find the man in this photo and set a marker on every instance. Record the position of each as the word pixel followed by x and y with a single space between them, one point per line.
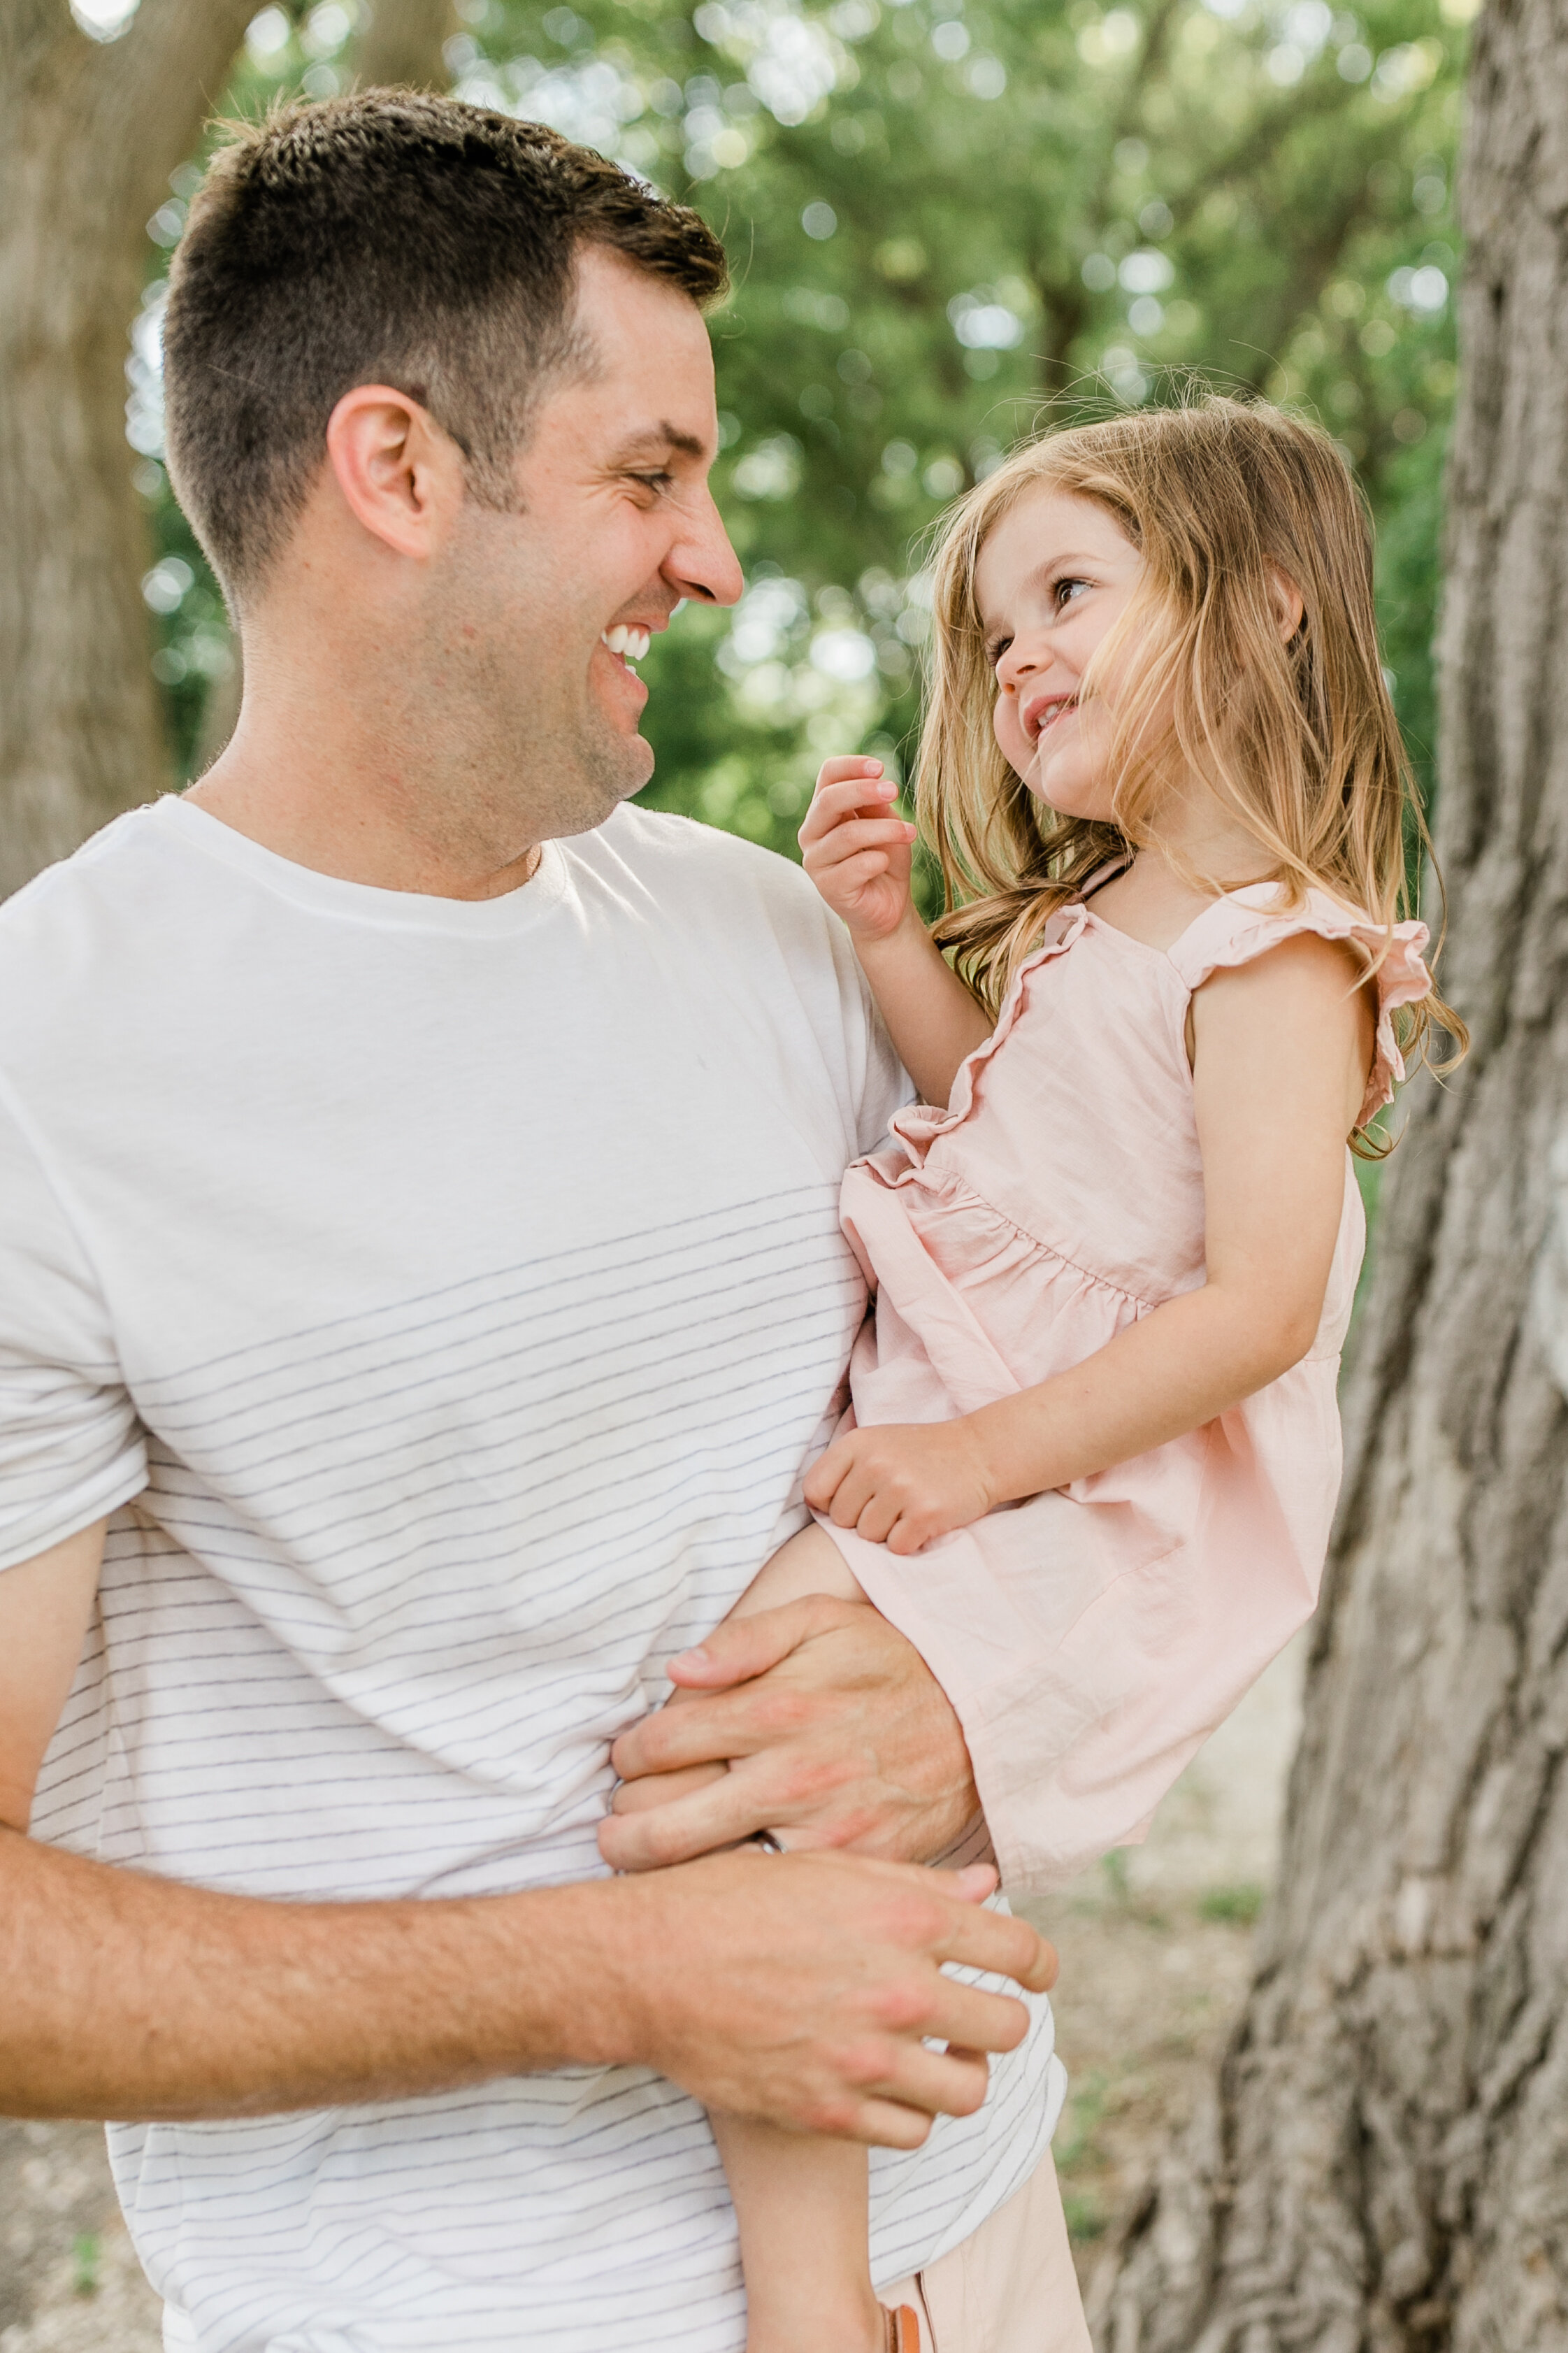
pixel 421 1291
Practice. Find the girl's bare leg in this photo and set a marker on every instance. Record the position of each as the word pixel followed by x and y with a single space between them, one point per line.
pixel 800 2204
pixel 800 2201
pixel 809 1563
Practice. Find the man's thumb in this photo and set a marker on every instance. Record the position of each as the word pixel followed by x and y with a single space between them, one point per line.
pixel 743 1648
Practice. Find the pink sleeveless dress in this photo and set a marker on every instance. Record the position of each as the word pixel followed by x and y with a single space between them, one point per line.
pixel 1090 1638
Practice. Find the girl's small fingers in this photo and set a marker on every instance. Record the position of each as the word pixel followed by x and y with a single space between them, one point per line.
pixel 823 1478
pixel 878 1520
pixel 845 764
pixel 855 873
pixel 849 1500
pixel 861 833
pixel 833 803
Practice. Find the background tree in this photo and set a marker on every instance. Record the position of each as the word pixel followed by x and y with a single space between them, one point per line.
pixel 1385 2162
pixel 89 135
pixel 100 113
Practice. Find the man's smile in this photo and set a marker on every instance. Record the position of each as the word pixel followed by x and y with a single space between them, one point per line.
pixel 626 640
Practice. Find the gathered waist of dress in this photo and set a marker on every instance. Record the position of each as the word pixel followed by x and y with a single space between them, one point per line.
pixel 963 1231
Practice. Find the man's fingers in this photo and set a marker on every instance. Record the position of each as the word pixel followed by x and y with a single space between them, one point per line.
pixel 973 2019
pixel 881 2123
pixel 974 1883
pixel 1000 1942
pixel 936 2082
pixel 651 1789
pixel 743 1648
pixel 711 1818
pixel 674 1738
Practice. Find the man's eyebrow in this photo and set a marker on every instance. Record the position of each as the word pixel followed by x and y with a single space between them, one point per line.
pixel 665 435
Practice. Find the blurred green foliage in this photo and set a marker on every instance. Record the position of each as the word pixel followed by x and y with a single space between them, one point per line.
pixel 1241 1903
pixel 950 223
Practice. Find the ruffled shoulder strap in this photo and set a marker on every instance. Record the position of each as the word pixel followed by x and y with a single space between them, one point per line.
pixel 1247 924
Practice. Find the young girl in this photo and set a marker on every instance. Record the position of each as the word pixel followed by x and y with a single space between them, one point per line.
pixel 1094 1448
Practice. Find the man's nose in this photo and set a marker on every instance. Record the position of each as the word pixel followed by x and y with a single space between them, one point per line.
pixel 702 564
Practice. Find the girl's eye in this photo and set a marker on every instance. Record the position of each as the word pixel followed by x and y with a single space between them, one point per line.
pixel 1066 592
pixel 994 651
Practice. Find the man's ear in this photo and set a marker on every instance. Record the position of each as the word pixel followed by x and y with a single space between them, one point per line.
pixel 1289 607
pixel 400 476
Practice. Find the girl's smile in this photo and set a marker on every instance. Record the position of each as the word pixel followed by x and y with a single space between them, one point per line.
pixel 1038 711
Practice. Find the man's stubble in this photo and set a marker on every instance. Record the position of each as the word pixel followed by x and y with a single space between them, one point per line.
pixel 528 748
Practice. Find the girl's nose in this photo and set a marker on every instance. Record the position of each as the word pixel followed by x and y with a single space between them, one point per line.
pixel 1020 662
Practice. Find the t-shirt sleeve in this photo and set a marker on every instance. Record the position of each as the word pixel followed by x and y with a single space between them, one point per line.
pixel 880 1081
pixel 71 1449
pixel 887 1085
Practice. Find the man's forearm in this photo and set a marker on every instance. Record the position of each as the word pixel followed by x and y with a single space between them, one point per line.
pixel 808 1993
pixel 134 1997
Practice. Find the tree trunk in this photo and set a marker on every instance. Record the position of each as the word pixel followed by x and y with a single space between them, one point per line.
pixel 89 134
pixel 1383 2164
pixel 403 47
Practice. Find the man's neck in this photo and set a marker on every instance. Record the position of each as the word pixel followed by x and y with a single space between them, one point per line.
pixel 314 798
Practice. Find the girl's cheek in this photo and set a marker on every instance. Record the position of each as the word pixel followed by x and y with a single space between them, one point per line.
pixel 1009 735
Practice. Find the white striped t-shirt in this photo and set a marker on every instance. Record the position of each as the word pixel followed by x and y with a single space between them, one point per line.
pixel 444 1297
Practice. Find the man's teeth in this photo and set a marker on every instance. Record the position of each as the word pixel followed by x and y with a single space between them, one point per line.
pixel 633 643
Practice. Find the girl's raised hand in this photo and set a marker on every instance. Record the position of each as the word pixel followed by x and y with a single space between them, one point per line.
pixel 857 851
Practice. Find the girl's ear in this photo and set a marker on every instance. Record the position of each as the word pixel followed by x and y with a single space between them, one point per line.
pixel 1288 605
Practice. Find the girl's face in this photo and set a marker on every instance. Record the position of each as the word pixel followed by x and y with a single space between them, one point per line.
pixel 1051 580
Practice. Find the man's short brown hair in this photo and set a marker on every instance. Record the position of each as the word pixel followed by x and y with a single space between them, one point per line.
pixel 384 239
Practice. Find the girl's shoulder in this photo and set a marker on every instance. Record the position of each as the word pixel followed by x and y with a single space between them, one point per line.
pixel 1242 925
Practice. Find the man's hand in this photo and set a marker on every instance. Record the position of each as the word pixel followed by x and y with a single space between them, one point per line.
pixel 902 1483
pixel 836 1732
pixel 803 1988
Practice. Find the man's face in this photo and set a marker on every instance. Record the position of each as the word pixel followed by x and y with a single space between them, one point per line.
pixel 543 610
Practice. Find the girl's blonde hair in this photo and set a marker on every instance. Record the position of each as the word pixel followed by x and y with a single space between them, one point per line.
pixel 1224 501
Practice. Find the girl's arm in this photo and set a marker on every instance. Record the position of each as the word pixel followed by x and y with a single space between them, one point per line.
pixel 858 855
pixel 1281 1049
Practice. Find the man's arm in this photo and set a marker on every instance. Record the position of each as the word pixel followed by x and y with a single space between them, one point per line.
pixel 801 1991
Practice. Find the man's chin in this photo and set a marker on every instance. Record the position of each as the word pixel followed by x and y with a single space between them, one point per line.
pixel 611 773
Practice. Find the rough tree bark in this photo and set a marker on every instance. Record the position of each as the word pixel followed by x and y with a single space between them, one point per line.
pixel 89 134
pixel 1382 2165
